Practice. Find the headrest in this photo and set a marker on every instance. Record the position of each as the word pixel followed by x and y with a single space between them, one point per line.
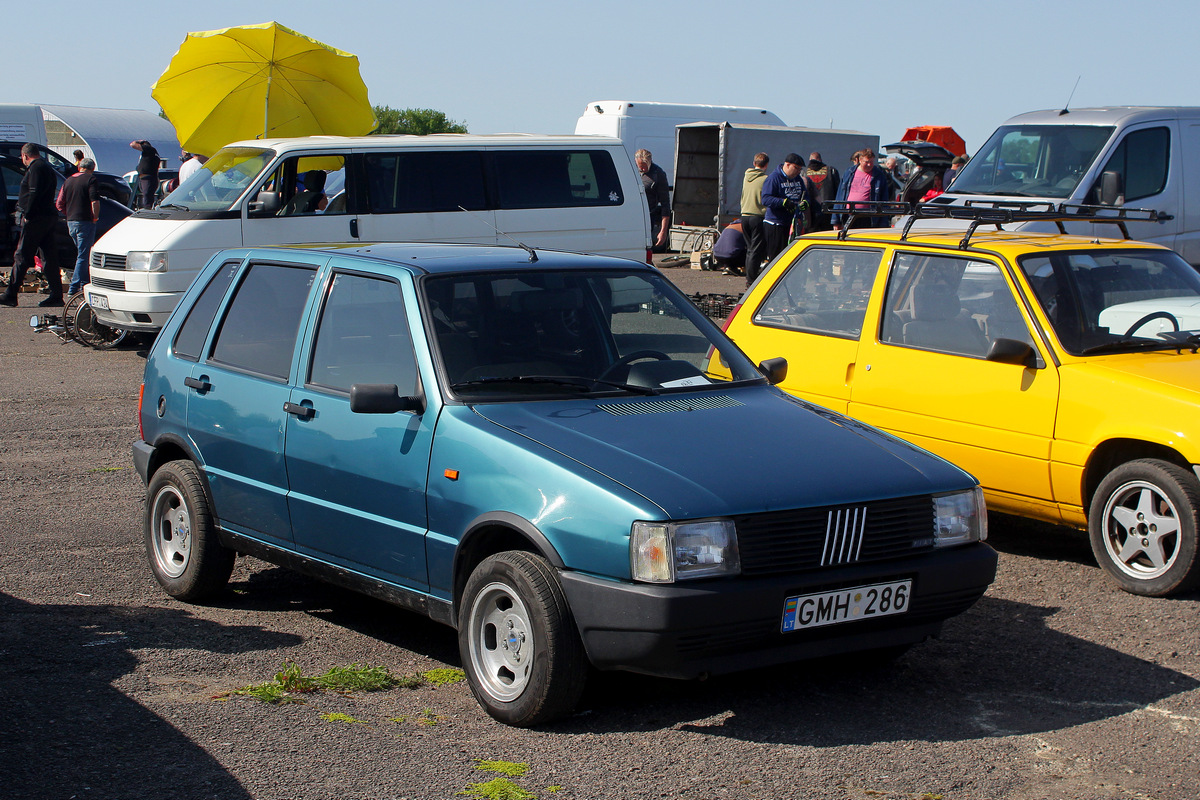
pixel 935 303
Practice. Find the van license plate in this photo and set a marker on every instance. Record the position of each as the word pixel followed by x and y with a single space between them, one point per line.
pixel 99 301
pixel 846 605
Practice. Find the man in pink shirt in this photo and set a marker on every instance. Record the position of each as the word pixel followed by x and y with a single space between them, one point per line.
pixel 866 182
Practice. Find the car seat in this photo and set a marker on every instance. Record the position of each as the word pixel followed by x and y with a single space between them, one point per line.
pixel 938 323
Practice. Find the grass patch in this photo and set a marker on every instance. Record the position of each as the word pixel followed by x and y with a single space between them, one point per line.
pixel 444 676
pixel 510 768
pixel 356 678
pixel 107 469
pixel 498 789
pixel 337 716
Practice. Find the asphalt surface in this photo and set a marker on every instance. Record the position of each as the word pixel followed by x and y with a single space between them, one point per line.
pixel 1055 685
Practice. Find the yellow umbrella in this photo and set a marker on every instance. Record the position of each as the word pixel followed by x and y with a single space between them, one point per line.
pixel 260 81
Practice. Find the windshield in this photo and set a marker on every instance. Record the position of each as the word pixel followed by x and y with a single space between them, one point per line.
pixel 1117 300
pixel 557 332
pixel 218 184
pixel 1033 160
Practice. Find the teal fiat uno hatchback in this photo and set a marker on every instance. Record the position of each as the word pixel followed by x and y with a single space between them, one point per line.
pixel 526 446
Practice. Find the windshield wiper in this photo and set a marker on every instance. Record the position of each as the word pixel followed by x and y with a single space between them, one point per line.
pixel 174 205
pixel 1130 345
pixel 579 383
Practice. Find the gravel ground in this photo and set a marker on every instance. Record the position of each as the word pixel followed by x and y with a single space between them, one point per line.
pixel 1055 685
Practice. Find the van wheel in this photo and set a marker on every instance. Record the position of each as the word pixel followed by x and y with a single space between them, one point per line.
pixel 181 539
pixel 519 646
pixel 1143 522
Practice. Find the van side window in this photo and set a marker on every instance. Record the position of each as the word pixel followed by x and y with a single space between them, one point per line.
pixel 258 333
pixel 425 181
pixel 194 329
pixel 556 179
pixel 1142 158
pixel 363 337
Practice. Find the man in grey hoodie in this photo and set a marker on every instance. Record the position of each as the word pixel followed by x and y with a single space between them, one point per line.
pixel 752 216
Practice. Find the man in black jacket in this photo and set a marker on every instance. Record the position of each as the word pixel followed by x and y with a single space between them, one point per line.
pixel 35 207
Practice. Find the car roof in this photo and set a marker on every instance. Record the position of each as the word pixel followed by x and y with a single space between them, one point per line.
pixel 1004 242
pixel 434 257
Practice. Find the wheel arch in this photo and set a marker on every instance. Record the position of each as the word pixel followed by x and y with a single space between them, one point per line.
pixel 1114 452
pixel 493 533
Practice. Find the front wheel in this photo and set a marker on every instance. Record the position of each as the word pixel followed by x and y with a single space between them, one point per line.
pixel 185 554
pixel 519 646
pixel 1142 524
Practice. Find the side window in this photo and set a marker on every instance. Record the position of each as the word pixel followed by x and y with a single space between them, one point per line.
pixel 1143 158
pixel 363 337
pixel 951 305
pixel 258 333
pixel 825 290
pixel 308 185
pixel 556 178
pixel 194 329
pixel 425 181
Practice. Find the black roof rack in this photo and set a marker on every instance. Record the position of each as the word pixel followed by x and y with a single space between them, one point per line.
pixel 868 208
pixel 1001 212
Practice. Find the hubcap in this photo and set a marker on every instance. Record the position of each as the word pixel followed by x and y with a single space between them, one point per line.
pixel 172 529
pixel 501 642
pixel 1141 530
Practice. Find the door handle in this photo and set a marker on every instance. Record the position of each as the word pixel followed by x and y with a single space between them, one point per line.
pixel 198 384
pixel 354 227
pixel 303 412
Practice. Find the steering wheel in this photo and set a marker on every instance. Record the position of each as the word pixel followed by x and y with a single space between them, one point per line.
pixel 626 360
pixel 1153 315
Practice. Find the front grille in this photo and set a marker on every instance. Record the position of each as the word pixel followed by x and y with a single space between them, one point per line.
pixel 781 542
pixel 107 261
pixel 106 283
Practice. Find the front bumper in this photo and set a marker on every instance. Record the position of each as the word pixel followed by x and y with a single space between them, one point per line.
pixel 711 627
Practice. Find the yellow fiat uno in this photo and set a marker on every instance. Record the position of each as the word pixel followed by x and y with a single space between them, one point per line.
pixel 1061 370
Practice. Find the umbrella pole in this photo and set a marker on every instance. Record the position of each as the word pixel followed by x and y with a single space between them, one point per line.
pixel 267 106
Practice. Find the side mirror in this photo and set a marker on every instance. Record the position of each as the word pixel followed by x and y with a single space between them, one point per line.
pixel 774 369
pixel 266 203
pixel 1112 188
pixel 1012 351
pixel 382 398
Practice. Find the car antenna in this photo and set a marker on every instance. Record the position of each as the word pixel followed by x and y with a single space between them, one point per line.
pixel 1072 94
pixel 532 254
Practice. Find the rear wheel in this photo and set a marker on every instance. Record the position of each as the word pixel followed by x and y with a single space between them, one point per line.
pixel 186 556
pixel 518 642
pixel 92 331
pixel 1143 523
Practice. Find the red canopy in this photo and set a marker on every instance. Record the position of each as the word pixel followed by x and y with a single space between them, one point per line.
pixel 938 134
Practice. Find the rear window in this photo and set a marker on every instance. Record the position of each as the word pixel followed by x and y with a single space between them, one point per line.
pixel 258 333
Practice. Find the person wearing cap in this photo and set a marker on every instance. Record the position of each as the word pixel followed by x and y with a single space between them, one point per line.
pixel 786 200
pixel 79 201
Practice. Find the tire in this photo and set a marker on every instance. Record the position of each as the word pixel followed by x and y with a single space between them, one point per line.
pixel 519 646
pixel 186 556
pixel 92 331
pixel 1143 522
pixel 71 312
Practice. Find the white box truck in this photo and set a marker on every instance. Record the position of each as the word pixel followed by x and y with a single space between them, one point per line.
pixel 22 122
pixel 1135 156
pixel 641 124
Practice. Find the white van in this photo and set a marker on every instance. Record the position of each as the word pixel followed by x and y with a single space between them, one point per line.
pixel 640 124
pixel 22 122
pixel 1141 157
pixel 554 192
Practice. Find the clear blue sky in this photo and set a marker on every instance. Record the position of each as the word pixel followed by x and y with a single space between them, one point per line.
pixel 533 66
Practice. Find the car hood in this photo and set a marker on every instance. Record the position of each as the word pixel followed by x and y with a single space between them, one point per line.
pixel 137 233
pixel 1165 373
pixel 742 450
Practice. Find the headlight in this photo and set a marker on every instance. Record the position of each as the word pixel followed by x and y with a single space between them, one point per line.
pixel 141 261
pixel 664 552
pixel 961 518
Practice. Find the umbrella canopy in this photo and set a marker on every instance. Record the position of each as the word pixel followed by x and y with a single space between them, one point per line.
pixel 259 81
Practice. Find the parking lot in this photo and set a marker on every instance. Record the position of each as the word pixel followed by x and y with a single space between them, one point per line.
pixel 1056 685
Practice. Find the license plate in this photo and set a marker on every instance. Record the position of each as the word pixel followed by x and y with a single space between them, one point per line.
pixel 846 605
pixel 99 301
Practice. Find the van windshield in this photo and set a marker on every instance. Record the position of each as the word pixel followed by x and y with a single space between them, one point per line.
pixel 1033 160
pixel 218 184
